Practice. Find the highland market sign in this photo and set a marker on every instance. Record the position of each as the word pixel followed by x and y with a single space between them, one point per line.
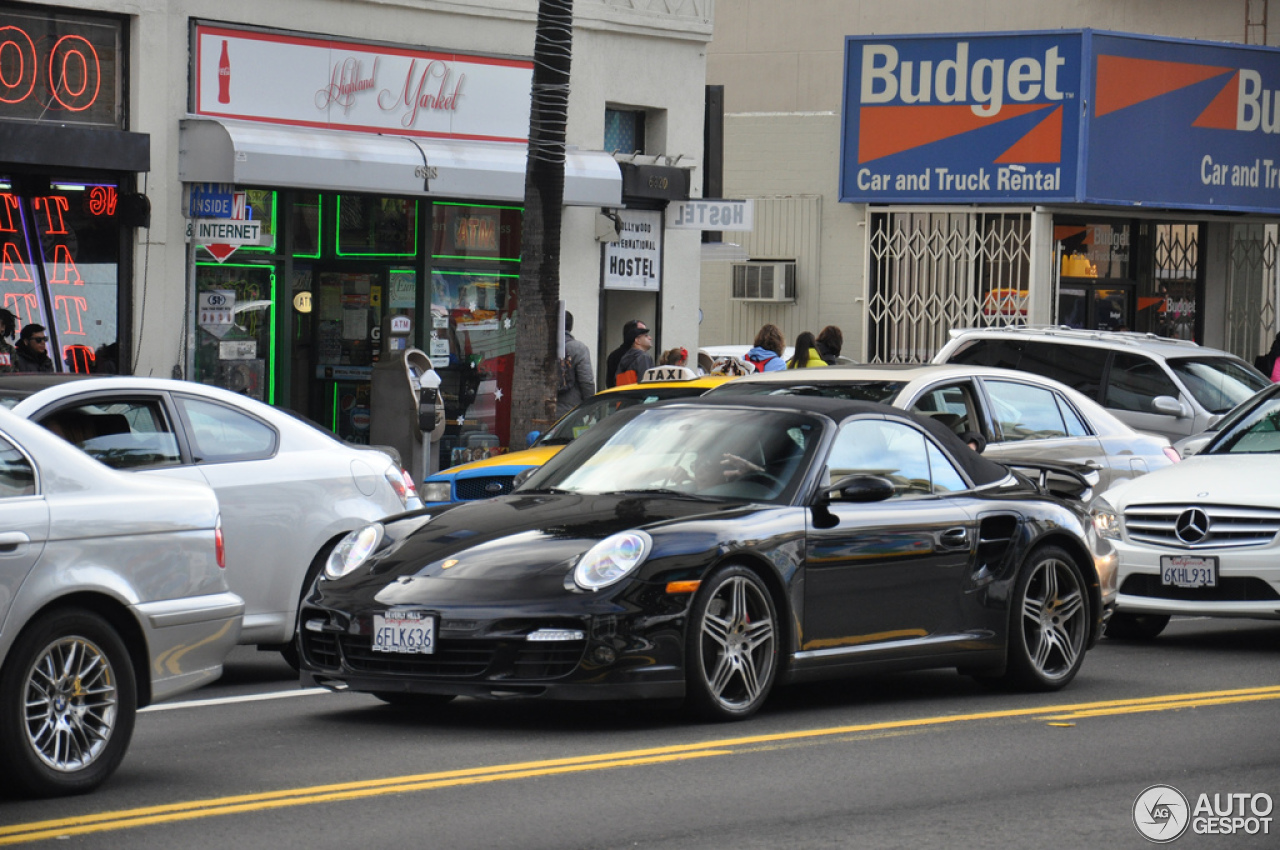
pixel 309 81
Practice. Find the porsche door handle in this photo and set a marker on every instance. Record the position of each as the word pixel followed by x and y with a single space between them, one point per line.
pixel 955 538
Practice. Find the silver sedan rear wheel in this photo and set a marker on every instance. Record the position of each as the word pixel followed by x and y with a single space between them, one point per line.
pixel 732 652
pixel 69 701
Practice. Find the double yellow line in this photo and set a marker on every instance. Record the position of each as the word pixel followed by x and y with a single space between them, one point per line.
pixel 172 812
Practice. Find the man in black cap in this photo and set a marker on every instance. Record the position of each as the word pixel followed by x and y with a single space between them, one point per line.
pixel 636 360
pixel 611 362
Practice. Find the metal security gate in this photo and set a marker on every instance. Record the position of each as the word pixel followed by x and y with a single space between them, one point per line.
pixel 931 270
pixel 1252 283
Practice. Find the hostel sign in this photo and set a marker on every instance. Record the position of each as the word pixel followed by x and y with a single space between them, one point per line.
pixel 1064 116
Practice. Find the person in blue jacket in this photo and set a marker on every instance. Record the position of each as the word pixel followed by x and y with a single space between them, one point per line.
pixel 766 354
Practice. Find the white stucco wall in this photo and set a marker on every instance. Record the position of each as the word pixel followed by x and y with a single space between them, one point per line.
pixel 626 52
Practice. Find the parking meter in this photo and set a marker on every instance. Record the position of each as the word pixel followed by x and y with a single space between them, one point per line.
pixel 407 411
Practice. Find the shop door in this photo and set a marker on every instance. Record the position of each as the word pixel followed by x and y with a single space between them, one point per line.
pixel 346 340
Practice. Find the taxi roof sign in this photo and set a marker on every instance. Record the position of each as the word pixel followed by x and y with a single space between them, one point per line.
pixel 668 373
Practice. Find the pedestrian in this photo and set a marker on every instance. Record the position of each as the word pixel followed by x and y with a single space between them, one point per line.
pixel 806 354
pixel 674 357
pixel 611 362
pixel 830 341
pixel 1269 363
pixel 766 354
pixel 636 360
pixel 31 355
pixel 8 324
pixel 577 382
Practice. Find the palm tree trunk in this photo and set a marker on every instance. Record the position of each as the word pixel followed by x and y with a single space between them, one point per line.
pixel 534 382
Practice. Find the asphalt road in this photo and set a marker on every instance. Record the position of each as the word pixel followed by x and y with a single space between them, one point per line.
pixel 914 761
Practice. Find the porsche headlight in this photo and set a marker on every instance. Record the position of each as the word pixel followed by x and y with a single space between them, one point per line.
pixel 437 491
pixel 612 559
pixel 353 550
pixel 1105 519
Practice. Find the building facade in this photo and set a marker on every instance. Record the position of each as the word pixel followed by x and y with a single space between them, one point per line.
pixel 247 194
pixel 1114 176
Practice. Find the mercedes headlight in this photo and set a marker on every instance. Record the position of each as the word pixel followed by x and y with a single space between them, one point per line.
pixel 353 550
pixel 1105 519
pixel 612 559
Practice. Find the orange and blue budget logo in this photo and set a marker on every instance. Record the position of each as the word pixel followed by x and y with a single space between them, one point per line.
pixel 972 117
pixel 1075 116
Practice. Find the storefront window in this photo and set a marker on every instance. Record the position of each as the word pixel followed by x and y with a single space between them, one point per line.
pixel 307 218
pixel 59 267
pixel 475 260
pixel 1173 285
pixel 1095 250
pixel 235 310
pixel 371 227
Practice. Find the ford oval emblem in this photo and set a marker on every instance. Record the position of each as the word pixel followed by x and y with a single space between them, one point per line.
pixel 493 488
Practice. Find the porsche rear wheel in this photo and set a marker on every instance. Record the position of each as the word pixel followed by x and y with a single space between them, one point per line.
pixel 732 649
pixel 1050 627
pixel 1136 626
pixel 68 700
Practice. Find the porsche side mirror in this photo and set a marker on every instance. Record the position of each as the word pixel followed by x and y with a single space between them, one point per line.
pixel 522 476
pixel 862 488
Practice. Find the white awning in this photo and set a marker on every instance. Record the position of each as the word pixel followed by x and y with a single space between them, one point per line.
pixel 250 154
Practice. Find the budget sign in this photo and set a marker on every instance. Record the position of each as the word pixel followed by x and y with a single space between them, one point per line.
pixel 973 118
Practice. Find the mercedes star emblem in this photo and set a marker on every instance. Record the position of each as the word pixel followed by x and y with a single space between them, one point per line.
pixel 1192 526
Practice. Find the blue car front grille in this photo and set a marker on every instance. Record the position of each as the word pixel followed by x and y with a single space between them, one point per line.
pixel 486 487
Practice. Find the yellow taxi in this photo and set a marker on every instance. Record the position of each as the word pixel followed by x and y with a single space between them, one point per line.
pixel 483 479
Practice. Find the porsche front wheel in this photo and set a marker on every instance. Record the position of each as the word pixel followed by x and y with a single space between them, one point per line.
pixel 1050 626
pixel 732 650
pixel 68 699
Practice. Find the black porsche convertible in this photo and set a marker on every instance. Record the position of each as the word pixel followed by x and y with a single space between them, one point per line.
pixel 710 549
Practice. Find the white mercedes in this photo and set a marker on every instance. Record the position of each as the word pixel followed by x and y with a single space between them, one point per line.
pixel 1200 537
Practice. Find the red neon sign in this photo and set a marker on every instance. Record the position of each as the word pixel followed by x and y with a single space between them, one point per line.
pixel 61 69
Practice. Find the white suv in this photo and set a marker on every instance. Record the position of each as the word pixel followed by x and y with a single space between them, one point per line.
pixel 1156 384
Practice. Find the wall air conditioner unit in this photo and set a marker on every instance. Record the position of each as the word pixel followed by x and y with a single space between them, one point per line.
pixel 764 280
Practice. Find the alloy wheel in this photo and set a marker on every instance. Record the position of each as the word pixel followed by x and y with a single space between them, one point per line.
pixel 737 643
pixel 1054 623
pixel 71 704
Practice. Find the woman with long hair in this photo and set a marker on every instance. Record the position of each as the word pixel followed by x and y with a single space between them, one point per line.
pixel 806 354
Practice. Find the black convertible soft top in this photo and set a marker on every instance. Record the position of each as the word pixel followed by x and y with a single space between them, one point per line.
pixel 979 469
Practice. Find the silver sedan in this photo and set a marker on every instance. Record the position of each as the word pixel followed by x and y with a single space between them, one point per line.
pixel 112 595
pixel 1019 416
pixel 288 490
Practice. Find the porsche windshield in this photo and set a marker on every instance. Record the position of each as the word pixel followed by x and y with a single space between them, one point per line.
pixel 603 405
pixel 1258 432
pixel 717 452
